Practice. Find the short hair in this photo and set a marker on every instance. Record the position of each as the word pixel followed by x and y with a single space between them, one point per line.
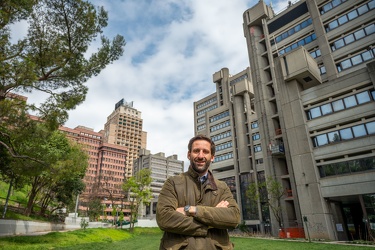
pixel 202 137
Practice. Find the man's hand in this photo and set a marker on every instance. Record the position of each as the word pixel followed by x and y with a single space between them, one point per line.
pixel 222 204
pixel 192 210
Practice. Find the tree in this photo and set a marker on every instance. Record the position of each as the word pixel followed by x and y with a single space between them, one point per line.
pixel 62 160
pixel 139 192
pixel 53 57
pixel 270 193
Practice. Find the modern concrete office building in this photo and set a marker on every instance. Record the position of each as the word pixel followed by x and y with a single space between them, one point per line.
pixel 228 117
pixel 161 168
pixel 124 128
pixel 313 73
pixel 106 169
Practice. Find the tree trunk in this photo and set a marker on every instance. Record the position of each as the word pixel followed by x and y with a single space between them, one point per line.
pixel 7 199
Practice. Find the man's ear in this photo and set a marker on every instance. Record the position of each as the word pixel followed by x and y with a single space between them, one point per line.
pixel 188 155
pixel 212 158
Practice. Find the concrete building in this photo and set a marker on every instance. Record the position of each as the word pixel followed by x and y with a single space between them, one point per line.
pixel 106 170
pixel 228 118
pixel 124 128
pixel 161 168
pixel 313 72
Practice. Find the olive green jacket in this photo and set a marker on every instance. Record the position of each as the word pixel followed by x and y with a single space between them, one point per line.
pixel 208 228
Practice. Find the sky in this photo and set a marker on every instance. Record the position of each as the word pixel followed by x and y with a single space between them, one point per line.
pixel 173 49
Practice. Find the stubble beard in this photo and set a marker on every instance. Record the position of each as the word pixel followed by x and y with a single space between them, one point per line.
pixel 200 169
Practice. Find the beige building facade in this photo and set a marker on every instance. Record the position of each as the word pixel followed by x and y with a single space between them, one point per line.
pixel 124 127
pixel 313 72
pixel 162 167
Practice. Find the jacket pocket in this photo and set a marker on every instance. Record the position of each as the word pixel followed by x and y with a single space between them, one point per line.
pixel 174 243
pixel 220 246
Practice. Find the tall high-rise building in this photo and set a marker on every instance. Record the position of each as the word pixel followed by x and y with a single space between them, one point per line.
pixel 313 72
pixel 228 118
pixel 106 170
pixel 124 128
pixel 161 167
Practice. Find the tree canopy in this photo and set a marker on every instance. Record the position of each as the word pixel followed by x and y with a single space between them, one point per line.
pixel 53 57
pixel 139 192
pixel 53 60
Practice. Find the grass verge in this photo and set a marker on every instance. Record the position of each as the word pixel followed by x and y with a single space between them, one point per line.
pixel 143 239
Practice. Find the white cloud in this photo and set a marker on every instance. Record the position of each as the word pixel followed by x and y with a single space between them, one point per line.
pixel 173 48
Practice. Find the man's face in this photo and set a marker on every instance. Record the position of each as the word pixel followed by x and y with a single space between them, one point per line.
pixel 200 156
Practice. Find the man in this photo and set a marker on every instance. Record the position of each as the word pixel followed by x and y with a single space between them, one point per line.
pixel 194 209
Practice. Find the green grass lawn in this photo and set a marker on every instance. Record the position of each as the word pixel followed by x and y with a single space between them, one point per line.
pixel 142 239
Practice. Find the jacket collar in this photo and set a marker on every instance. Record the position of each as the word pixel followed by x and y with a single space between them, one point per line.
pixel 210 178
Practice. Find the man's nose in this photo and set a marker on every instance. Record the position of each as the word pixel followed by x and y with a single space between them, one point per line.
pixel 200 154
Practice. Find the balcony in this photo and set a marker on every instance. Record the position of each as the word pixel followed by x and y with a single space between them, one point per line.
pixel 277 149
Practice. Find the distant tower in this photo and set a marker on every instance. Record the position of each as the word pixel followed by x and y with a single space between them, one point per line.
pixel 124 127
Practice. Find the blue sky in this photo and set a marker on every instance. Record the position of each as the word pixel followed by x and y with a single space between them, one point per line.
pixel 173 48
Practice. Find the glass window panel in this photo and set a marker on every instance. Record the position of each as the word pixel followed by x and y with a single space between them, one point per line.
pixel 356 59
pixel 350 101
pixel 366 164
pixel 322 70
pixel 339 43
pixel 354 166
pixel 304 25
pixel 308 39
pixel 363 9
pixel 338 105
pixel 359 34
pixel 329 170
pixel 327 7
pixel 321 140
pixel 284 35
pixel 363 97
pixel 371 5
pixel 342 20
pixel 313 36
pixel 332 25
pixel 349 39
pixel 373 94
pixel 366 56
pixel 342 168
pixel 353 14
pixel 297 28
pixel 287 49
pixel 301 43
pixel 346 134
pixel 346 64
pixel 290 32
pixel 278 39
pixel 335 3
pixel 359 130
pixel 370 128
pixel 333 136
pixel 315 112
pixel 318 53
pixel 294 45
pixel 326 109
pixel 370 29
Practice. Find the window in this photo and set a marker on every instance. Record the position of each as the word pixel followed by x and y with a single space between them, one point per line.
pixel 321 140
pixel 363 9
pixel 338 105
pixel 342 20
pixel 370 29
pixel 370 127
pixel 326 109
pixel 315 112
pixel 256 136
pixel 359 130
pixel 359 34
pixel 333 136
pixel 363 97
pixel 346 134
pixel 353 14
pixel 350 101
